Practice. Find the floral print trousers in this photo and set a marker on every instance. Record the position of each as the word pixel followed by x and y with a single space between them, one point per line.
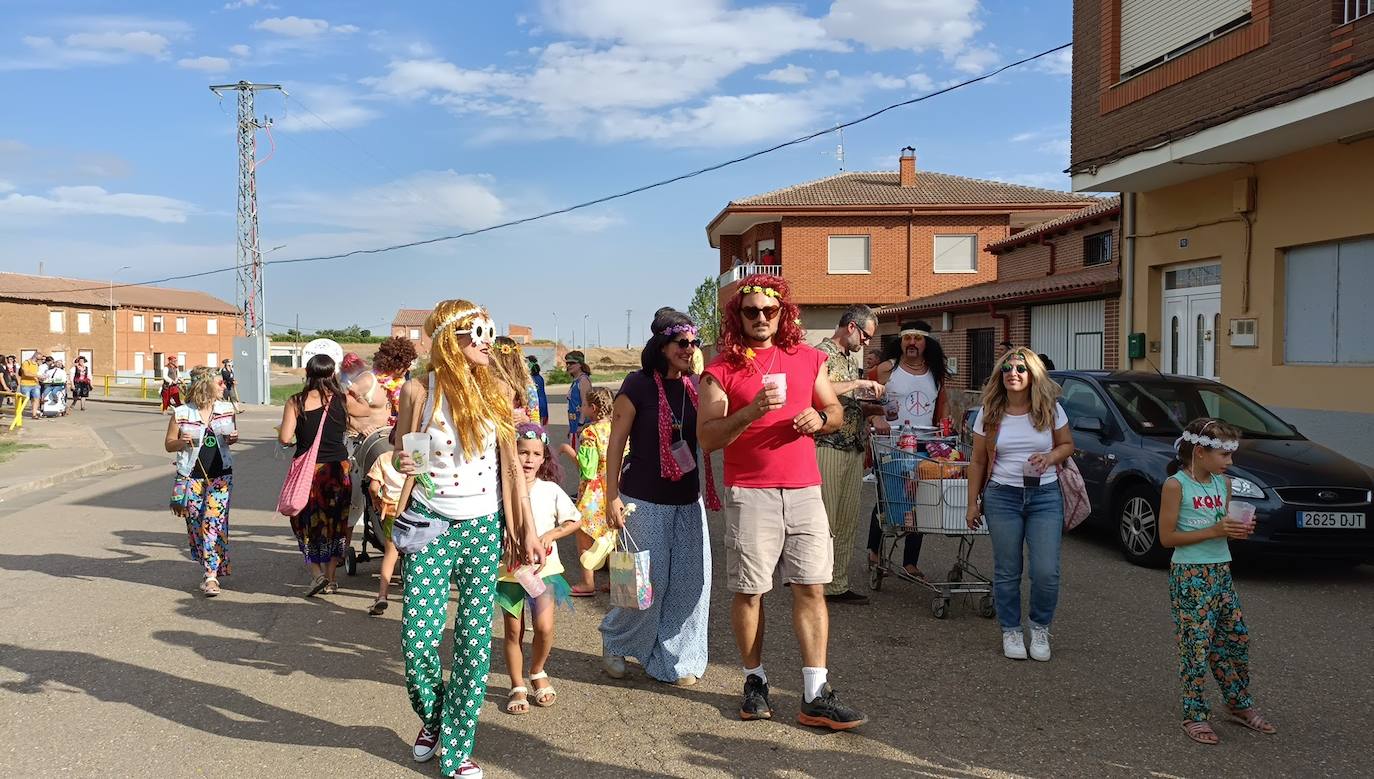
pixel 467 554
pixel 1211 635
pixel 207 523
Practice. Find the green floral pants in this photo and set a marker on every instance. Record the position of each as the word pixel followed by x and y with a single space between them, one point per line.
pixel 467 554
pixel 1211 634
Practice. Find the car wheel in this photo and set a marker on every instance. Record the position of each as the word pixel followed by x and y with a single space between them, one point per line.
pixel 1138 526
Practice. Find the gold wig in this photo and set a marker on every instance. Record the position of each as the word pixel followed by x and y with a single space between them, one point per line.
pixel 508 363
pixel 475 396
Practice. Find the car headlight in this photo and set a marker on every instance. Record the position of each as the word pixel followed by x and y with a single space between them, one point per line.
pixel 1244 488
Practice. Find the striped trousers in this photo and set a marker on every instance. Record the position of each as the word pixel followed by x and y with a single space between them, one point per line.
pixel 841 483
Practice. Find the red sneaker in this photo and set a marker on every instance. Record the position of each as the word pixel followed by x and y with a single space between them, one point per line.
pixel 425 745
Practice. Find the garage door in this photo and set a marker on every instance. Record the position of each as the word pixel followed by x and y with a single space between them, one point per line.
pixel 1070 334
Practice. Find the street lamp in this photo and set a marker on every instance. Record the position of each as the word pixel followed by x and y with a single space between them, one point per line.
pixel 555 336
pixel 114 328
pixel 585 317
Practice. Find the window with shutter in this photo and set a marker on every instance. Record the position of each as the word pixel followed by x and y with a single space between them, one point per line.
pixel 1155 31
pixel 956 254
pixel 848 254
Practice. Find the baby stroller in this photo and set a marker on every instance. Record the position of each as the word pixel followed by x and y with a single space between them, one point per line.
pixel 378 444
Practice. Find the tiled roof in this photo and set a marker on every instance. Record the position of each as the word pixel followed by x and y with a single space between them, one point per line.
pixel 883 188
pixel 96 293
pixel 1098 276
pixel 1109 207
pixel 411 317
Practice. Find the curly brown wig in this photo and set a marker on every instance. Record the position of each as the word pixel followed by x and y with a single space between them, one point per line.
pixel 394 356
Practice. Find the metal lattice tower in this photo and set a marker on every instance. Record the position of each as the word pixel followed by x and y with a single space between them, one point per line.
pixel 250 292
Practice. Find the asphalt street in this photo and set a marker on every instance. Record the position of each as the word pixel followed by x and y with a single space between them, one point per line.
pixel 112 664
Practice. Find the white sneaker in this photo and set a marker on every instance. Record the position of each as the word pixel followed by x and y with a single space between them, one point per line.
pixel 1040 642
pixel 1014 644
pixel 469 770
pixel 870 478
pixel 614 664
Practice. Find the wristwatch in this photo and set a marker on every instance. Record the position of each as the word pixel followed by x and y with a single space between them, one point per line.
pixel 823 417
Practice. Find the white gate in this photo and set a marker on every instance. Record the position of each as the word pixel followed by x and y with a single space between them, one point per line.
pixel 1070 334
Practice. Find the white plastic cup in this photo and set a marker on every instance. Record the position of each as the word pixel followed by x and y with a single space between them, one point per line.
pixel 222 425
pixel 531 581
pixel 779 381
pixel 1241 511
pixel 684 456
pixel 417 446
pixel 1030 474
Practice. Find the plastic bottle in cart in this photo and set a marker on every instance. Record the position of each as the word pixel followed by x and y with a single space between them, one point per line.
pixel 906 439
pixel 946 427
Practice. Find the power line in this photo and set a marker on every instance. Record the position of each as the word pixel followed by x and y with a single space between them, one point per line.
pixel 604 199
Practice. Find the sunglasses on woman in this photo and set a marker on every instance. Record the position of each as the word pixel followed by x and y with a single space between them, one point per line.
pixel 683 343
pixel 752 312
pixel 1008 368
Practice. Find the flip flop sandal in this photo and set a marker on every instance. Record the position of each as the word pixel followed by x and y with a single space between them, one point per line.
pixel 1201 732
pixel 211 588
pixel 1253 720
pixel 316 586
pixel 378 606
pixel 331 589
pixel 544 697
pixel 517 707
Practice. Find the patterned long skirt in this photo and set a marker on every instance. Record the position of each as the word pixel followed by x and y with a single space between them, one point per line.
pixel 322 527
pixel 207 523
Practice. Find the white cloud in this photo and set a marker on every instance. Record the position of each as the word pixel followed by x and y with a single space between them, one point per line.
pixel 339 106
pixel 298 27
pixel 920 82
pixel 417 78
pixel 237 4
pixel 976 60
pixel 1058 147
pixel 240 50
pixel 95 201
pixel 96 40
pixel 792 74
pixel 5 186
pixel 150 44
pixel 1043 180
pixel 420 204
pixel 206 64
pixel 1050 141
pixel 919 25
pixel 1059 63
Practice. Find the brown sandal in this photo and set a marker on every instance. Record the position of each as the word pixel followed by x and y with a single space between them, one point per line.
pixel 1201 732
pixel 1253 720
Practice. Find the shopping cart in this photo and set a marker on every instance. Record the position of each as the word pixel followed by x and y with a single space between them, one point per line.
pixel 921 494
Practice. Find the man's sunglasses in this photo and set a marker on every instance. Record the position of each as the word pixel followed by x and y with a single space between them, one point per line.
pixel 864 337
pixel 683 343
pixel 1008 368
pixel 752 312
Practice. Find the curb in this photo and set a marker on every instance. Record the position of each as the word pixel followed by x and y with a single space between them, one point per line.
pixel 127 401
pixel 106 460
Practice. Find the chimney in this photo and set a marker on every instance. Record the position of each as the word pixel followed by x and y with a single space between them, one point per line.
pixel 908 166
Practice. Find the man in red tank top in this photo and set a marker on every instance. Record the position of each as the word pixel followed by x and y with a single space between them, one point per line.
pixel 762 400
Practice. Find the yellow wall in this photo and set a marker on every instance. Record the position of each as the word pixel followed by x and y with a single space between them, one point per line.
pixel 1317 195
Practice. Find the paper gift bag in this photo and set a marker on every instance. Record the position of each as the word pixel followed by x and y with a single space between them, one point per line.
pixel 630 584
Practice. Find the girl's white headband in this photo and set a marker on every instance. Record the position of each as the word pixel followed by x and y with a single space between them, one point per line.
pixel 1207 441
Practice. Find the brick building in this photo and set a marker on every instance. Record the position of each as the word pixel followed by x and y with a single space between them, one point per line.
pixel 877 238
pixel 1057 290
pixel 1241 134
pixel 410 323
pixel 139 326
pixel 521 334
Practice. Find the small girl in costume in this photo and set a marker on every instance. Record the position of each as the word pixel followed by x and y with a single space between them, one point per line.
pixel 592 441
pixel 554 517
pixel 1208 623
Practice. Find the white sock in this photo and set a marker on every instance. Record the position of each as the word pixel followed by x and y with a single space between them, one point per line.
pixel 756 672
pixel 813 679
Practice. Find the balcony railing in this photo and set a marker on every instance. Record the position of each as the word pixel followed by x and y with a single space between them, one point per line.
pixel 738 273
pixel 1358 9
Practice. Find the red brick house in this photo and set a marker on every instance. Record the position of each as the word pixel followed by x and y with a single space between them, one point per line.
pixel 1057 290
pixel 410 323
pixel 878 237
pixel 121 331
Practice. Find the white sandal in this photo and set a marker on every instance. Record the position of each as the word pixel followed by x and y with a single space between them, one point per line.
pixel 543 696
pixel 512 704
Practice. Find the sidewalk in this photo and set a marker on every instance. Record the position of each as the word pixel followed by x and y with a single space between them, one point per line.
pixel 70 450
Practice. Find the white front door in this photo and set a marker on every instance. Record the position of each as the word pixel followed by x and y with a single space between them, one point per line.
pixel 1192 321
pixel 90 360
pixel 138 363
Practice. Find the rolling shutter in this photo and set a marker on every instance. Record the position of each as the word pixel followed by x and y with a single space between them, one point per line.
pixel 1151 29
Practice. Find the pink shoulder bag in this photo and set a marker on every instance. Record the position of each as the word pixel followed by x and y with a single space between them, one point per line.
pixel 295 491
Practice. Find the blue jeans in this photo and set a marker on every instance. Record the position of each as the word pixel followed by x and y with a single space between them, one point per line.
pixel 1034 517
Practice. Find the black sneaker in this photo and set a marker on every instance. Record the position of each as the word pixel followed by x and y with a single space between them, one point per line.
pixel 755 704
pixel 848 597
pixel 826 711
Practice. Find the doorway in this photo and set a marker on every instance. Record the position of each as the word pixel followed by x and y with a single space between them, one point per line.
pixel 1192 320
pixel 159 365
pixel 981 355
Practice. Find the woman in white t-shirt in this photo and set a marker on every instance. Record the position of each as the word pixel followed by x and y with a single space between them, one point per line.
pixel 1023 433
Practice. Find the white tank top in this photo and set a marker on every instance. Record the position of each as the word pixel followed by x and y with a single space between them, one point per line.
pixel 463 489
pixel 914 397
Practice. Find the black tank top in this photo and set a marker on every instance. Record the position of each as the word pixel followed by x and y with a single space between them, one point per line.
pixel 332 448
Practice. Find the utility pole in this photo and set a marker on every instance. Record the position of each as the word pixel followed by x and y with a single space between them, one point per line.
pixel 249 256
pixel 298 338
pixel 628 313
pixel 584 330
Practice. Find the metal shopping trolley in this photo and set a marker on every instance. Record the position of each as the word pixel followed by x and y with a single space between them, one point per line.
pixel 921 493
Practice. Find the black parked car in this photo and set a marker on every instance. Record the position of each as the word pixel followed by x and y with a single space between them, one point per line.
pixel 1310 500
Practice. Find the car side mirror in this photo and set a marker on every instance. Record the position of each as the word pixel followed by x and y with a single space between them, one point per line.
pixel 1089 425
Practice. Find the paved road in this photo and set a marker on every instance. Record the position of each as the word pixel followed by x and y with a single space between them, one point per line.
pixel 111 665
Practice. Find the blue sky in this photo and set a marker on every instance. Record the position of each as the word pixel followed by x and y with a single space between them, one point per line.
pixel 412 120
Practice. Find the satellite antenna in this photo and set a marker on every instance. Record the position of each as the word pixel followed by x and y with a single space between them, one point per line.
pixel 839 148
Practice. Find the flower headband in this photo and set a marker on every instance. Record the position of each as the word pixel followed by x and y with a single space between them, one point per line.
pixel 482 330
pixel 534 435
pixel 507 348
pixel 769 291
pixel 1207 441
pixel 679 329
